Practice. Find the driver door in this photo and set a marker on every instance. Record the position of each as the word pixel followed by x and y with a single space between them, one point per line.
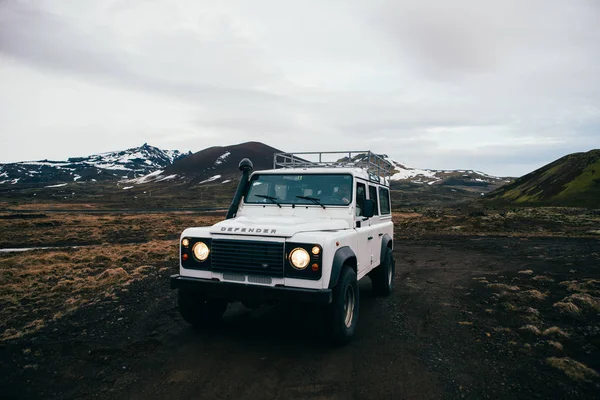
pixel 363 229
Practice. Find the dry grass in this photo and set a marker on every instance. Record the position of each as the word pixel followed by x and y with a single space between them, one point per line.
pixel 525 222
pixel 532 329
pixel 509 306
pixel 556 345
pixel 555 331
pixel 573 369
pixel 584 286
pixel 533 295
pixel 502 286
pixel 531 311
pixel 542 278
pixel 567 308
pixel 82 229
pixel 526 272
pixel 585 301
pixel 39 286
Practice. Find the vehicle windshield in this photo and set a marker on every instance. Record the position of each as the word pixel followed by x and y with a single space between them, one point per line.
pixel 307 189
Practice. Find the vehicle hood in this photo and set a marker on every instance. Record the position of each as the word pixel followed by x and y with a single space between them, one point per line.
pixel 276 226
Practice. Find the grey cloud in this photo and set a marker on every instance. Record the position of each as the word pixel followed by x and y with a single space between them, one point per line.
pixel 410 78
pixel 42 38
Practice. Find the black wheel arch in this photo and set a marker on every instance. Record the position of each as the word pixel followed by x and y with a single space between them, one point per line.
pixel 386 242
pixel 343 256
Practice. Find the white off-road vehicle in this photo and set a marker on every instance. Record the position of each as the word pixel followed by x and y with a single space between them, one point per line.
pixel 304 231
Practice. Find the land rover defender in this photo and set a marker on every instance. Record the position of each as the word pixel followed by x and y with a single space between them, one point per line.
pixel 304 231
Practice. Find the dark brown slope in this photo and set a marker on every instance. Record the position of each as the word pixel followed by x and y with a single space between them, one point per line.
pixel 573 180
pixel 223 160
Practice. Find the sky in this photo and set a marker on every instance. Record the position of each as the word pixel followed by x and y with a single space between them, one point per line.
pixel 498 86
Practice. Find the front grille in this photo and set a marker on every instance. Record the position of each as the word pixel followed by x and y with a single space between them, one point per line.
pixel 248 257
pixel 234 277
pixel 265 280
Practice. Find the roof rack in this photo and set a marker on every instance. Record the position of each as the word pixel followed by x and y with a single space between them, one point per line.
pixel 377 167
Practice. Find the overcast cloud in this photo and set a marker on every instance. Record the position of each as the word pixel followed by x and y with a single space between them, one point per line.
pixel 503 87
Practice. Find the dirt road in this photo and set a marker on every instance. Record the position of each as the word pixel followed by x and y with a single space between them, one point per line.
pixel 446 332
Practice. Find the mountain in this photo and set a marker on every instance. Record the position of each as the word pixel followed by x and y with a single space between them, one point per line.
pixel 130 163
pixel 573 180
pixel 137 172
pixel 150 177
pixel 217 163
pixel 469 179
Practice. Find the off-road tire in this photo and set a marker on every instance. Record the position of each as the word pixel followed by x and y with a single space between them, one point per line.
pixel 382 277
pixel 340 322
pixel 198 311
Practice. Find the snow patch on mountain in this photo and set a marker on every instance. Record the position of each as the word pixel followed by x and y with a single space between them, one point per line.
pixel 166 178
pixel 400 172
pixel 147 178
pixel 222 158
pixel 212 178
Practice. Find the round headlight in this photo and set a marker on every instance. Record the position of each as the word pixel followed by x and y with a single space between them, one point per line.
pixel 201 251
pixel 185 242
pixel 316 250
pixel 299 258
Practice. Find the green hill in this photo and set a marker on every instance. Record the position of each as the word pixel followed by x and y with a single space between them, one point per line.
pixel 573 181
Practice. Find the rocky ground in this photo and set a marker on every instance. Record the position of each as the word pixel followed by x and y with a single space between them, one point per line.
pixel 495 309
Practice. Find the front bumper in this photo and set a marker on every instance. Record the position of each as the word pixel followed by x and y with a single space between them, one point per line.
pixel 240 291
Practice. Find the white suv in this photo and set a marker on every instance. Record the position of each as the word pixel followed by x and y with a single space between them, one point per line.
pixel 303 231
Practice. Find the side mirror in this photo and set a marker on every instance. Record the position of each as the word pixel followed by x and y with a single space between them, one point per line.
pixel 368 208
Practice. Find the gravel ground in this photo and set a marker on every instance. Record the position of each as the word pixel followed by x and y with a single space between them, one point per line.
pixel 450 330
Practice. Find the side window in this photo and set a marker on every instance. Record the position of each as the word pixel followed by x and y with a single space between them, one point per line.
pixel 384 198
pixel 373 196
pixel 361 196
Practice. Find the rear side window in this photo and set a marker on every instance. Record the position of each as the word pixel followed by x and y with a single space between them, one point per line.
pixel 384 199
pixel 373 196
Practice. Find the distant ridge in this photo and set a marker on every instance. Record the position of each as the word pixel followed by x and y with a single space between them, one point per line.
pixel 573 180
pixel 116 165
pixel 212 166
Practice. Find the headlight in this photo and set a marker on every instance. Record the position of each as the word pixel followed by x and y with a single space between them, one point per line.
pixel 201 251
pixel 299 258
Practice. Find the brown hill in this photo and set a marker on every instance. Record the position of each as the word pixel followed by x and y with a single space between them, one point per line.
pixel 223 161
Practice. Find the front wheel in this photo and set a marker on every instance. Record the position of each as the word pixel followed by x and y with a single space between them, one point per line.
pixel 199 311
pixel 382 277
pixel 342 313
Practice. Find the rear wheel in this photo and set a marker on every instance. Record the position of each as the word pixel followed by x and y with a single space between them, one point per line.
pixel 382 277
pixel 199 311
pixel 342 313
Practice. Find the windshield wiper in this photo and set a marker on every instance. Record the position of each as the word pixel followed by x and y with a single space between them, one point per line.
pixel 313 199
pixel 273 199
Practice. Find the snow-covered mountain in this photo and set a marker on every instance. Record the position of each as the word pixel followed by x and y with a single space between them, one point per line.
pixel 402 173
pixel 220 165
pixel 217 164
pixel 214 165
pixel 117 165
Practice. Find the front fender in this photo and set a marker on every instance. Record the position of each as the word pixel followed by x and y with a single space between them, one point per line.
pixel 343 255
